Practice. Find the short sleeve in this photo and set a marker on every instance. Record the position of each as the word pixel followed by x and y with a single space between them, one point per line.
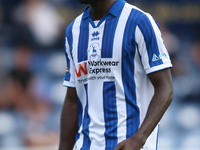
pixel 69 79
pixel 152 50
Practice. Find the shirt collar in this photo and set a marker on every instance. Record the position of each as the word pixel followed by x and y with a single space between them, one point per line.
pixel 114 10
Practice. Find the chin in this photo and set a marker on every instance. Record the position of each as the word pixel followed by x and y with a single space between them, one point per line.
pixel 84 1
pixel 87 1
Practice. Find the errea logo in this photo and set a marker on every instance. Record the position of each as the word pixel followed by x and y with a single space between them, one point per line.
pixel 95 35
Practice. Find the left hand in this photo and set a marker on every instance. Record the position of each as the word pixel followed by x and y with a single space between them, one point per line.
pixel 133 143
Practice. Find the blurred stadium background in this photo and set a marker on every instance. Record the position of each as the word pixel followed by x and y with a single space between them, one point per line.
pixel 32 66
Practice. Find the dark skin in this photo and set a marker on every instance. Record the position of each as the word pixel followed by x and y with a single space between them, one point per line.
pixel 161 100
pixel 69 120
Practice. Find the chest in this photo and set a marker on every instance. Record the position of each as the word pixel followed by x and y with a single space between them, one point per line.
pixel 109 40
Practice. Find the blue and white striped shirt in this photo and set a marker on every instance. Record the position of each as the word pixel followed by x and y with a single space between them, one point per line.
pixel 108 65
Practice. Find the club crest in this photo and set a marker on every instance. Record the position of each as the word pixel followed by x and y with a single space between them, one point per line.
pixel 94 51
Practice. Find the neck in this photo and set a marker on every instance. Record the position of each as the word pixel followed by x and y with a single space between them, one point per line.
pixel 98 10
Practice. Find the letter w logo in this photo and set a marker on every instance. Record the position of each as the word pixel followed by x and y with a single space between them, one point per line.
pixel 80 68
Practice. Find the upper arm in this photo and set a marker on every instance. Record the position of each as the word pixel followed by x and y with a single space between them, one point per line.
pixel 162 81
pixel 71 95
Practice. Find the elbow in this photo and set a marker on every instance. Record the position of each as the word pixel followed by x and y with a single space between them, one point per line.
pixel 170 95
pixel 166 94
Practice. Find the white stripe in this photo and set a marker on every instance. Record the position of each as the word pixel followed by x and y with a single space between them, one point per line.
pixel 95 107
pixel 117 55
pixel 95 110
pixel 139 38
pixel 100 30
pixel 75 36
pixel 82 93
pixel 140 85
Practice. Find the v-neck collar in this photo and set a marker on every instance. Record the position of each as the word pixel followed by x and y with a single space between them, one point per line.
pixel 113 12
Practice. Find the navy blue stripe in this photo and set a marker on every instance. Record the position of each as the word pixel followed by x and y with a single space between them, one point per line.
pixel 138 51
pixel 80 114
pixel 67 74
pixel 128 53
pixel 108 36
pixel 110 115
pixel 86 122
pixel 83 40
pixel 150 40
pixel 68 34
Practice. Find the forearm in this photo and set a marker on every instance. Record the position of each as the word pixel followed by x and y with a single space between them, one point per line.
pixel 158 105
pixel 69 125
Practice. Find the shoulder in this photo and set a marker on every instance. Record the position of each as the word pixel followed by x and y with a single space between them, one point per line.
pixel 140 14
pixel 70 26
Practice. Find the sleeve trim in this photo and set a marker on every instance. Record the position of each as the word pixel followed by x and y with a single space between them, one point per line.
pixel 69 84
pixel 158 68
